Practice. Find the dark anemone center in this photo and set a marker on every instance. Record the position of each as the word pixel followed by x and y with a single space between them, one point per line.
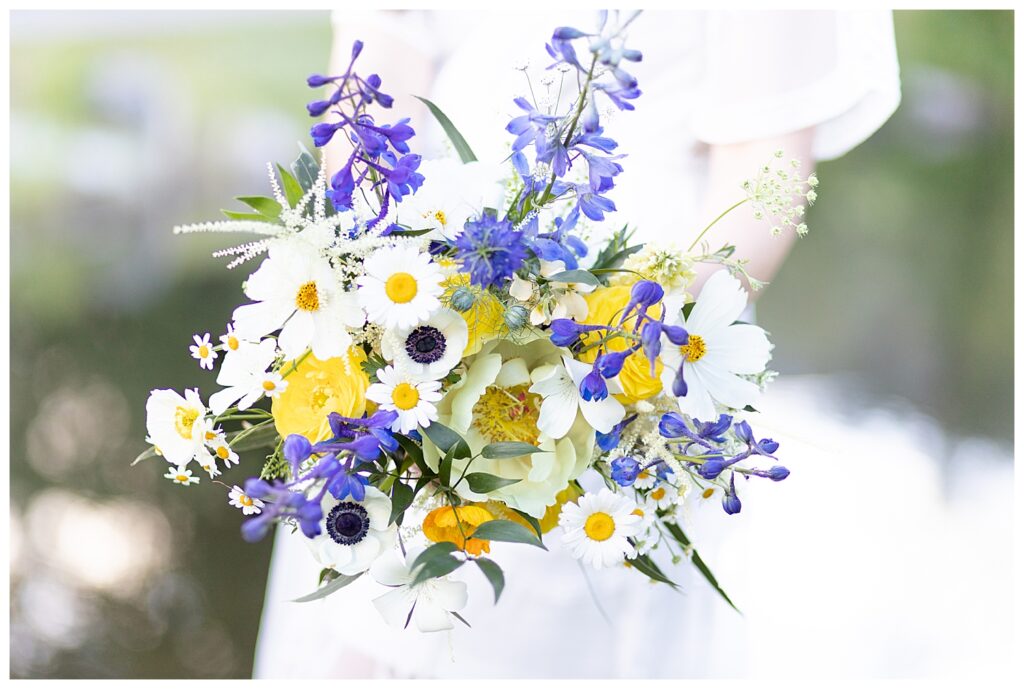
pixel 425 344
pixel 348 523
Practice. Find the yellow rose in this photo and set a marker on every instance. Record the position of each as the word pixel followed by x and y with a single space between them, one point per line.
pixel 315 389
pixel 604 307
pixel 485 318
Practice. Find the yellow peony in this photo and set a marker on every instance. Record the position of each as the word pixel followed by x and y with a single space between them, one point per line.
pixel 456 525
pixel 485 318
pixel 605 307
pixel 317 388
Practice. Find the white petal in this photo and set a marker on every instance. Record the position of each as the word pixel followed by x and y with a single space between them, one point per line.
pixel 738 348
pixel 394 606
pixel 602 415
pixel 253 321
pixel 450 595
pixel 430 617
pixel 697 401
pixel 727 388
pixel 389 570
pixel 721 301
pixel 221 400
pixel 297 334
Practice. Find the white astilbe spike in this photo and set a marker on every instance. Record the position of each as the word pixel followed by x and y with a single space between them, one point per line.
pixel 278 196
pixel 320 190
pixel 265 228
pixel 243 252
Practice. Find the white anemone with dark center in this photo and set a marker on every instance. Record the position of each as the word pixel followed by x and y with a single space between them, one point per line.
pixel 431 349
pixel 353 533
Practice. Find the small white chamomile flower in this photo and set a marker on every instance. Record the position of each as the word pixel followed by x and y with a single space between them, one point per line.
pixel 598 526
pixel 408 394
pixel 238 498
pixel 231 340
pixel 221 450
pixel 203 351
pixel 665 495
pixel 401 286
pixel 208 463
pixel 181 476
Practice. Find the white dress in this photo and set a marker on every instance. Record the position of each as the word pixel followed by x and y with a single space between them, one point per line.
pixel 707 78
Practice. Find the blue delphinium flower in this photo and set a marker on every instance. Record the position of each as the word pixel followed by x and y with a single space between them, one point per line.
pixel 610 440
pixel 625 470
pixel 489 250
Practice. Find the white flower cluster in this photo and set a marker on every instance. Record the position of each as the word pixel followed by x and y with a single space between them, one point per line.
pixel 777 194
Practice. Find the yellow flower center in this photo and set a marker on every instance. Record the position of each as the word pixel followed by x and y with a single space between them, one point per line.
pixel 405 396
pixel 658 493
pixel 269 385
pixel 222 452
pixel 204 351
pixel 694 349
pixel 210 435
pixel 638 512
pixel 441 217
pixel 245 500
pixel 599 526
pixel 182 478
pixel 232 342
pixel 307 298
pixel 508 414
pixel 708 492
pixel 401 288
pixel 184 419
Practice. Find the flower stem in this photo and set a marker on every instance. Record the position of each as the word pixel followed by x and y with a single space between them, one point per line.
pixel 712 223
pixel 545 197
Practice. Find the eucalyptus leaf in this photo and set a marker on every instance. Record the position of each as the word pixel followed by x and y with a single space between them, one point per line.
pixel 646 565
pixel 438 566
pixel 480 482
pixel 582 276
pixel 444 470
pixel 242 215
pixel 507 532
pixel 531 520
pixel 447 440
pixel 433 552
pixel 305 168
pixel 401 497
pixel 263 434
pixel 458 141
pixel 494 575
pixel 681 538
pixel 508 449
pixel 335 584
pixel 264 205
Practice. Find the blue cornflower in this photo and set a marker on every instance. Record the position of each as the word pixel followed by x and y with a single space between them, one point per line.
pixel 490 250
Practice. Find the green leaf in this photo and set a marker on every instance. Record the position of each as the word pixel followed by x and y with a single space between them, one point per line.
pixel 447 440
pixel 494 575
pixel 326 574
pixel 435 561
pixel 290 186
pixel 507 532
pixel 265 206
pixel 241 215
pixel 433 552
pixel 305 168
pixel 458 141
pixel 695 558
pixel 687 308
pixel 401 498
pixel 531 520
pixel 410 233
pixel 509 449
pixel 444 470
pixel 582 276
pixel 145 454
pixel 480 482
pixel 263 434
pixel 336 584
pixel 646 565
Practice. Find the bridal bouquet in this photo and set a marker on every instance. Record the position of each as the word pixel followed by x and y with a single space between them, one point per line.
pixel 434 352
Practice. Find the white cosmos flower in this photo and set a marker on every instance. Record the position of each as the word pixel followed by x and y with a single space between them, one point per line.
pixel 560 388
pixel 245 378
pixel 401 286
pixel 432 348
pixel 452 193
pixel 717 351
pixel 597 528
pixel 352 533
pixel 296 290
pixel 238 498
pixel 409 394
pixel 203 351
pixel 431 602
pixel 176 425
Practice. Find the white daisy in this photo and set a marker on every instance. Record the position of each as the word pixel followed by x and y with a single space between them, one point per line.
pixel 647 478
pixel 296 290
pixel 176 424
pixel 648 535
pixel 410 395
pixel 203 351
pixel 718 350
pixel 220 449
pixel 181 476
pixel 353 534
pixel 230 341
pixel 452 193
pixel 245 377
pixel 432 348
pixel 559 386
pixel 238 498
pixel 665 495
pixel 598 526
pixel 208 463
pixel 431 602
pixel 401 286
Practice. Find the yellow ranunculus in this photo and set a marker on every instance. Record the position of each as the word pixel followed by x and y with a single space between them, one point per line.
pixel 605 307
pixel 315 389
pixel 485 318
pixel 456 525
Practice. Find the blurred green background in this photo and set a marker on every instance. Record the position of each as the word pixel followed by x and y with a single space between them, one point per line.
pixel 125 124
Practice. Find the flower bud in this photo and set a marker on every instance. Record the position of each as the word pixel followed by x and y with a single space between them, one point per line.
pixel 463 299
pixel 516 316
pixel 778 473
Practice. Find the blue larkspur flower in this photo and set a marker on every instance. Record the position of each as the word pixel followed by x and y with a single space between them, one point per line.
pixel 490 250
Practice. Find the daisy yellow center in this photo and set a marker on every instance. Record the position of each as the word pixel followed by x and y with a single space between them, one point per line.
pixel 307 298
pixel 269 385
pixel 222 452
pixel 508 414
pixel 204 351
pixel 232 342
pixel 441 217
pixel 599 526
pixel 245 500
pixel 638 512
pixel 210 435
pixel 401 288
pixel 405 396
pixel 658 493
pixel 182 478
pixel 184 419
pixel 694 349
